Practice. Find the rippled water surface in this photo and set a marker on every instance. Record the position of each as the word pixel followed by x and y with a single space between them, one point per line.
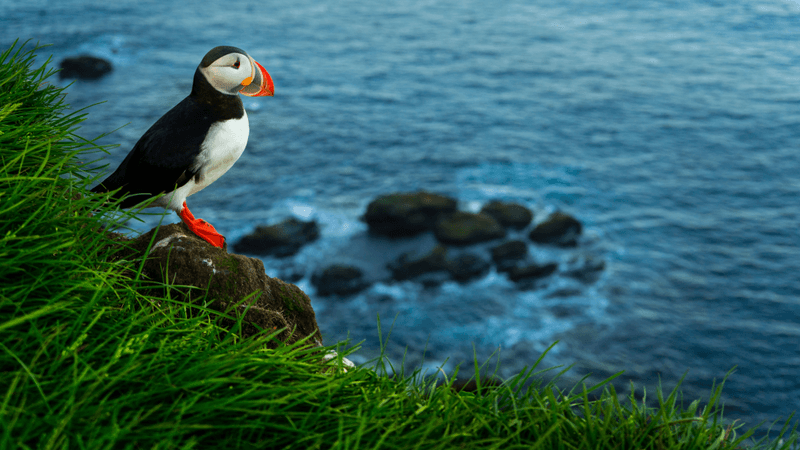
pixel 671 129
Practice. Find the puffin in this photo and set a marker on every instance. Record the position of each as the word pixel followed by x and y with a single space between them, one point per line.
pixel 195 142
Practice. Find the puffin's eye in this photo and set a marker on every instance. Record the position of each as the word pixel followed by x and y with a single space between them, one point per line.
pixel 236 64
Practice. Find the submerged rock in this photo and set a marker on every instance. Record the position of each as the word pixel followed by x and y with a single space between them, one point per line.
pixel 559 229
pixel 532 271
pixel 282 239
pixel 406 214
pixel 588 269
pixel 84 67
pixel 435 267
pixel 467 267
pixel 191 265
pixel 339 279
pixel 464 228
pixel 508 253
pixel 411 265
pixel 511 215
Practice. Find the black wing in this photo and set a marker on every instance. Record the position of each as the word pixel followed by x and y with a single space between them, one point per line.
pixel 164 157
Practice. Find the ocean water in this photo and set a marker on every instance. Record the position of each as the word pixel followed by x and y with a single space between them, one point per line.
pixel 670 129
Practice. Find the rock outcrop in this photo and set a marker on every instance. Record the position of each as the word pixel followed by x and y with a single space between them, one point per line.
pixel 512 215
pixel 558 229
pixel 339 279
pixel 465 250
pixel 586 269
pixel 84 67
pixel 422 237
pixel 237 285
pixel 464 228
pixel 436 266
pixel 281 240
pixel 468 266
pixel 412 265
pixel 406 214
pixel 508 253
pixel 532 271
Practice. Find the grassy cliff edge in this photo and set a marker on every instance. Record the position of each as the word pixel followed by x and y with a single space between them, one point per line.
pixel 89 360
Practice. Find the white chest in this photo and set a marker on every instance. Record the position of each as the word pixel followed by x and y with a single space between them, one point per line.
pixel 224 144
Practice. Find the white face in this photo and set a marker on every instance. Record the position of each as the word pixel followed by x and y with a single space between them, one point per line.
pixel 228 72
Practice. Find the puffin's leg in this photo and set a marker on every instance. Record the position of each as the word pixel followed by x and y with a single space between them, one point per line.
pixel 201 228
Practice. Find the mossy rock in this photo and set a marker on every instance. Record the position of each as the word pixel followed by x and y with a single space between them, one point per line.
pixel 509 251
pixel 237 285
pixel 511 215
pixel 406 214
pixel 558 229
pixel 464 228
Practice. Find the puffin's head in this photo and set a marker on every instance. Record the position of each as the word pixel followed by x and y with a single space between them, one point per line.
pixel 230 70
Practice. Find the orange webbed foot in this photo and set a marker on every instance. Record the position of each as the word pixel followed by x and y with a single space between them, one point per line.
pixel 201 228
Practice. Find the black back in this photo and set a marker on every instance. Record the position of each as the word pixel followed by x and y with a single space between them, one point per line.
pixel 164 158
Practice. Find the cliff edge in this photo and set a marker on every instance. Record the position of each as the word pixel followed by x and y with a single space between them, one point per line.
pixel 237 285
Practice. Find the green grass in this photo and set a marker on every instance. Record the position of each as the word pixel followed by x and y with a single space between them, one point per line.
pixel 89 361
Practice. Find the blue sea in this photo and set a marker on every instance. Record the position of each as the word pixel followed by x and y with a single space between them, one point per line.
pixel 669 128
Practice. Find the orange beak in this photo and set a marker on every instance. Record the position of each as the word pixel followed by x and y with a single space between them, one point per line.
pixel 259 83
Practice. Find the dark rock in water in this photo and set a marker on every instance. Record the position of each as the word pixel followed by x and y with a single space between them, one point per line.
pixel 467 267
pixel 85 67
pixel 410 266
pixel 589 271
pixel 532 271
pixel 282 239
pixel 339 279
pixel 508 214
pixel 397 215
pixel 508 253
pixel 291 274
pixel 187 260
pixel 559 229
pixel 463 228
pixel 564 293
pixel 435 267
